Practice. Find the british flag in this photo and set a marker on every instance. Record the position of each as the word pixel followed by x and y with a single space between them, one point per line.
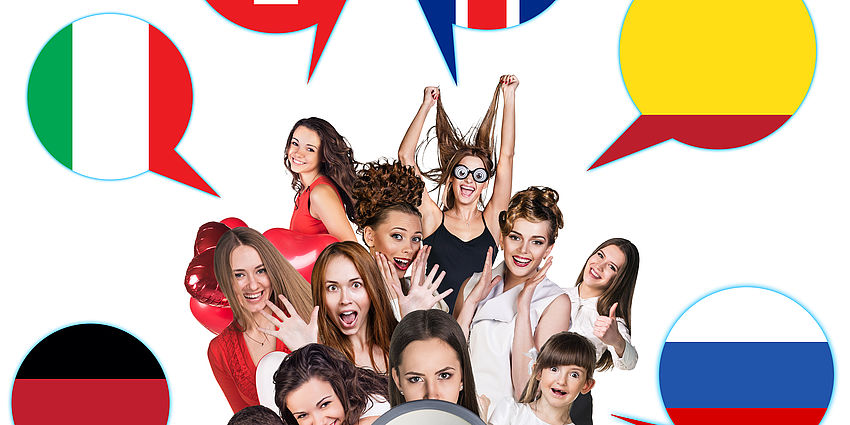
pixel 496 14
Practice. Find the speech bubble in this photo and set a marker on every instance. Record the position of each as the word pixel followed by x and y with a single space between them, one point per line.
pixel 110 97
pixel 745 355
pixel 713 74
pixel 279 16
pixel 443 15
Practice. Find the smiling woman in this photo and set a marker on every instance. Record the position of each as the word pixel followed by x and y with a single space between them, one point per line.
pixel 250 272
pixel 322 166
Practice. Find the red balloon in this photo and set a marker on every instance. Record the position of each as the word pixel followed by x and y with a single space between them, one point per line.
pixel 233 222
pixel 208 236
pixel 200 280
pixel 215 319
pixel 299 248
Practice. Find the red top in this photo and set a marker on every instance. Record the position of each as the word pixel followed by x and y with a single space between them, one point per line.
pixel 302 221
pixel 233 368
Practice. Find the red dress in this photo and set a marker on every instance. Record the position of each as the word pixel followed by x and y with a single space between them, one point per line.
pixel 233 368
pixel 302 221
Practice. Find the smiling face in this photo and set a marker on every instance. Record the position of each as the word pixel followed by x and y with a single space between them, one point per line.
pixel 398 236
pixel 429 369
pixel 250 278
pixel 467 191
pixel 525 246
pixel 560 385
pixel 315 403
pixel 303 151
pixel 601 269
pixel 346 300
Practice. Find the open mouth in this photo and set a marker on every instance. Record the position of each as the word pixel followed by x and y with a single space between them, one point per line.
pixel 558 393
pixel 401 263
pixel 254 297
pixel 521 261
pixel 466 191
pixel 595 274
pixel 348 319
pixel 296 162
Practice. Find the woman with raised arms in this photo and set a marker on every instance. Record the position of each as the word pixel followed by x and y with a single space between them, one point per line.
pixel 462 227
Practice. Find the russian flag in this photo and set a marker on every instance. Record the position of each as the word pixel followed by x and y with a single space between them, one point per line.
pixel 744 356
pixel 497 14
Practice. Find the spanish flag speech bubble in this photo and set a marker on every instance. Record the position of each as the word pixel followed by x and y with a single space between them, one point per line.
pixel 713 74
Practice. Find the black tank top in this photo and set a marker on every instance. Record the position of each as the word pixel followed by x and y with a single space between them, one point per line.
pixel 458 258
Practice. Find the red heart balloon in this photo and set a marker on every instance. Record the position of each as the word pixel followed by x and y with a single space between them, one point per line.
pixel 215 319
pixel 208 236
pixel 200 280
pixel 299 248
pixel 233 222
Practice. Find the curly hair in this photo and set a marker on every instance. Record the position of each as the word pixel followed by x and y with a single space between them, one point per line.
pixel 535 204
pixel 452 146
pixel 383 186
pixel 336 160
pixel 354 386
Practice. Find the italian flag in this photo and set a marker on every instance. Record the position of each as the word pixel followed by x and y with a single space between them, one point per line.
pixel 110 97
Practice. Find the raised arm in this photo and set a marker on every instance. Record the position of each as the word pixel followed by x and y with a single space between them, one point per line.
pixel 431 214
pixel 326 206
pixel 504 169
pixel 465 306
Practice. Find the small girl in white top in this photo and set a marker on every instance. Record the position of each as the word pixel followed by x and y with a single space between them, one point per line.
pixel 601 310
pixel 563 370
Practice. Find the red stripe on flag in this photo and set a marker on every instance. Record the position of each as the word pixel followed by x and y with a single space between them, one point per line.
pixel 90 401
pixel 700 416
pixel 487 14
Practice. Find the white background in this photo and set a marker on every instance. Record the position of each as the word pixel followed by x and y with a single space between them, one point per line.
pixel 76 250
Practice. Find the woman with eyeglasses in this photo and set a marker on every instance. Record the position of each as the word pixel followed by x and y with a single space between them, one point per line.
pixel 462 227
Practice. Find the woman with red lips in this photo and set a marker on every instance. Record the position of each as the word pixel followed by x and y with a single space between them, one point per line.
pixel 322 166
pixel 512 309
pixel 601 310
pixel 250 272
pixel 462 227
pixel 386 214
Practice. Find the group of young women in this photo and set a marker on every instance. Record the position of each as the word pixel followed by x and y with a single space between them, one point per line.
pixel 372 328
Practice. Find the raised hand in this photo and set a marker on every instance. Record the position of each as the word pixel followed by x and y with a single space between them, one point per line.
pixel 388 273
pixel 524 298
pixel 430 97
pixel 486 282
pixel 421 295
pixel 292 331
pixel 509 83
pixel 605 328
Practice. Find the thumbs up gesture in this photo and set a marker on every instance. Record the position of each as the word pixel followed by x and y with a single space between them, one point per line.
pixel 605 328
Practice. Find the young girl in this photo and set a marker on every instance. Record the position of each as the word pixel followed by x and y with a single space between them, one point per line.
pixel 457 228
pixel 386 214
pixel 601 310
pixel 318 385
pixel 322 166
pixel 519 309
pixel 563 370
pixel 429 359
pixel 251 272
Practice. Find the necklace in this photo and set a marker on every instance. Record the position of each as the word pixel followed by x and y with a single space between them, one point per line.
pixel 265 339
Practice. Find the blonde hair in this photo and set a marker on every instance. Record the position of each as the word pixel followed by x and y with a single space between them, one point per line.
pixel 285 280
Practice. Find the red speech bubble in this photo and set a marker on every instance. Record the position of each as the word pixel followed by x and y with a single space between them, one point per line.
pixel 278 16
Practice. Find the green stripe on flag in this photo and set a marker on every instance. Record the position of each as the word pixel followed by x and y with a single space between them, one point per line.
pixel 49 96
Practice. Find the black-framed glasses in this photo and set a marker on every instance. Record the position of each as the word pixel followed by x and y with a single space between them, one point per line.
pixel 480 175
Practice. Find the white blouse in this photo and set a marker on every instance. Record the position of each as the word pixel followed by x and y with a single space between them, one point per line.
pixel 582 317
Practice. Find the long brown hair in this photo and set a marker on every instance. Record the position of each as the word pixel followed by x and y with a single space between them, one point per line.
pixel 353 385
pixel 453 146
pixel 561 349
pixel 420 325
pixel 285 280
pixel 380 322
pixel 336 160
pixel 621 290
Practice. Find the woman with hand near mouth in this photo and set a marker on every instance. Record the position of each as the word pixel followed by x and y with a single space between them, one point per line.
pixel 513 309
pixel 461 227
pixel 601 311
pixel 251 271
pixel 386 214
pixel 323 172
pixel 317 385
